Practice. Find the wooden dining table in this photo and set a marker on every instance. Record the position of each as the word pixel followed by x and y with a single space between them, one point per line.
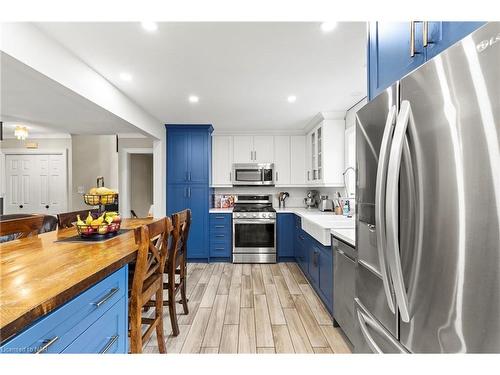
pixel 38 274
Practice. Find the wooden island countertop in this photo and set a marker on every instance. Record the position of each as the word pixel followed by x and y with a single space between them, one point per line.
pixel 38 275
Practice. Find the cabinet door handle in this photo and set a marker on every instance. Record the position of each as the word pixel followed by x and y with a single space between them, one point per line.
pixel 276 175
pixel 219 226
pixel 186 178
pixel 308 175
pixel 109 344
pixel 189 175
pixel 189 192
pixel 106 298
pixel 219 235
pixel 47 344
pixel 425 33
pixel 219 217
pixel 230 179
pixel 412 38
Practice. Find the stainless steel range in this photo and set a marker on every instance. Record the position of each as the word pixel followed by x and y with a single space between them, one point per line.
pixel 254 229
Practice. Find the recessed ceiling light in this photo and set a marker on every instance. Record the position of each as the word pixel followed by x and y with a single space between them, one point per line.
pixel 126 76
pixel 291 99
pixel 328 26
pixel 193 99
pixel 149 26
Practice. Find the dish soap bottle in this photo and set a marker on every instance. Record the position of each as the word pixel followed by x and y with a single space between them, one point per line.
pixel 346 208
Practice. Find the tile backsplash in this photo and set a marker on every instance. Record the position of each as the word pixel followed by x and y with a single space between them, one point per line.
pixel 297 194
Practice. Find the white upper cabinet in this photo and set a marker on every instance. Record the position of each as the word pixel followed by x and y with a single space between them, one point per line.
pixel 325 153
pixel 263 146
pixel 298 171
pixel 253 149
pixel 222 160
pixel 282 160
pixel 243 149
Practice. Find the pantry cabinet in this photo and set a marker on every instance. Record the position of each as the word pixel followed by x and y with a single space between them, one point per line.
pixel 222 160
pixel 397 48
pixel 298 160
pixel 325 154
pixel 188 171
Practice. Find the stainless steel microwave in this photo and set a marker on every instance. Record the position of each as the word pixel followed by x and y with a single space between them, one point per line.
pixel 253 174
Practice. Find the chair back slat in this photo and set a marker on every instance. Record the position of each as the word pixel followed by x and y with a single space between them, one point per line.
pixel 181 222
pixel 24 227
pixel 152 252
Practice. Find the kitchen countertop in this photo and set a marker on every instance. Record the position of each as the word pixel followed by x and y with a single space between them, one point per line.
pixel 221 210
pixel 346 235
pixel 38 275
pixel 319 224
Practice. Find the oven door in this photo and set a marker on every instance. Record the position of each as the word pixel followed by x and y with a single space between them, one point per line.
pixel 247 176
pixel 254 236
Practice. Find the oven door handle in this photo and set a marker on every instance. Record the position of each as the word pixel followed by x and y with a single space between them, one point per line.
pixel 254 221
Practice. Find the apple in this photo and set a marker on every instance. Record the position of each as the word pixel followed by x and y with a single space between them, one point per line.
pixel 103 229
pixel 117 219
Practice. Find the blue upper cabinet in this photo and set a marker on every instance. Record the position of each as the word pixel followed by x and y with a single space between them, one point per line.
pixel 444 34
pixel 188 178
pixel 178 150
pixel 389 53
pixel 397 48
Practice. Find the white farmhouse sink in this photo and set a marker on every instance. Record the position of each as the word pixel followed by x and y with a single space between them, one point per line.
pixel 319 226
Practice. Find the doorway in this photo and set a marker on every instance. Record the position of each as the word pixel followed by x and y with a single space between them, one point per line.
pixel 141 184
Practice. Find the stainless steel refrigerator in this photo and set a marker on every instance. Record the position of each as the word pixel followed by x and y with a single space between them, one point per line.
pixel 428 203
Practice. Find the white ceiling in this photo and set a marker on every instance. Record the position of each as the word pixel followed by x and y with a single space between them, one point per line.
pixel 242 72
pixel 46 107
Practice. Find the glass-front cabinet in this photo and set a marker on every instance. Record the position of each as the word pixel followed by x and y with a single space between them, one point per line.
pixel 314 173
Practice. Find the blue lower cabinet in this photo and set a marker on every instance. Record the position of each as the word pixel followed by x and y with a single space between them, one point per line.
pixel 325 260
pixel 220 233
pixel 56 332
pixel 316 261
pixel 285 236
pixel 107 335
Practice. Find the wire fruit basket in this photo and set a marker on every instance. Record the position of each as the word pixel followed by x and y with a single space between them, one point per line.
pixel 98 200
pixel 89 230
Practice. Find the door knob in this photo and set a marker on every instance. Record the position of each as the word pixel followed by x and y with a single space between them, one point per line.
pixel 20 206
pixel 47 206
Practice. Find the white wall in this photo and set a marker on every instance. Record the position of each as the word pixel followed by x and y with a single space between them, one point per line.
pixel 93 155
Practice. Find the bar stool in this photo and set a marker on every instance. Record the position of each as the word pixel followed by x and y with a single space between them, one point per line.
pixel 22 227
pixel 176 265
pixel 148 282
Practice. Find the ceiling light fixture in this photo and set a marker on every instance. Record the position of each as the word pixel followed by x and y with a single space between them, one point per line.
pixel 149 26
pixel 326 27
pixel 193 99
pixel 21 132
pixel 291 99
pixel 126 77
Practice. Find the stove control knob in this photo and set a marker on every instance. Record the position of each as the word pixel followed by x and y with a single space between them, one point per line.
pixel 236 215
pixel 254 215
pixel 244 215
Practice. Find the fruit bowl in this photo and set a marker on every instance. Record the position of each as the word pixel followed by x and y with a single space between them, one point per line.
pixel 88 230
pixel 100 199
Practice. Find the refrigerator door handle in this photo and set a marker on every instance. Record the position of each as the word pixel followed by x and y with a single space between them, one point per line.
pixel 363 322
pixel 380 198
pixel 392 209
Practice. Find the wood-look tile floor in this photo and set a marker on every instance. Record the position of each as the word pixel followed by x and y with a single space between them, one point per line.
pixel 251 308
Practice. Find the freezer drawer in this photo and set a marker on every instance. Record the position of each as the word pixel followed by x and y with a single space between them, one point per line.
pixel 370 292
pixel 372 336
pixel 343 290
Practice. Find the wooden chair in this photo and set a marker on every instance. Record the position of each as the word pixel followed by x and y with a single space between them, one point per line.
pixel 176 265
pixel 22 227
pixel 66 219
pixel 147 282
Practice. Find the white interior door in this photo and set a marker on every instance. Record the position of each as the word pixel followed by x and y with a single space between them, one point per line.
pixel 263 146
pixel 52 180
pixel 35 184
pixel 21 187
pixel 243 149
